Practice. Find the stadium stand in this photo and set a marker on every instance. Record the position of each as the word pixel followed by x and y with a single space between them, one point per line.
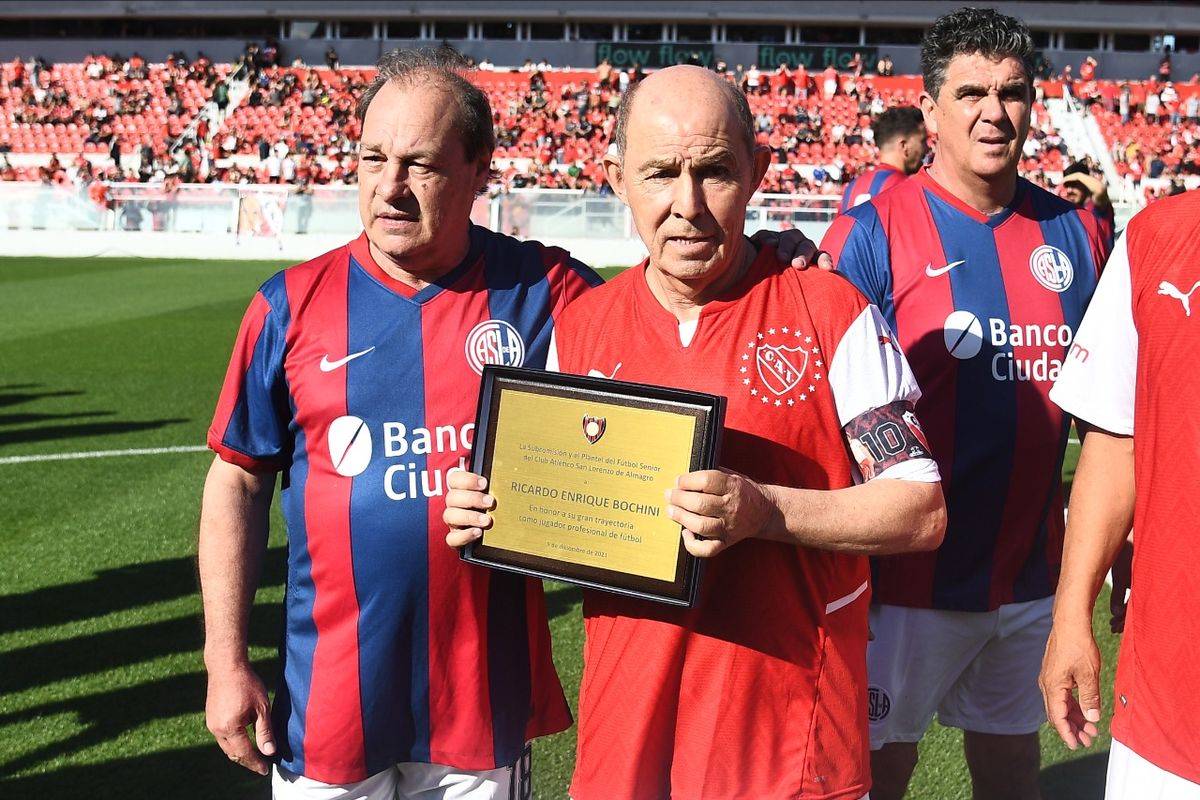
pixel 113 119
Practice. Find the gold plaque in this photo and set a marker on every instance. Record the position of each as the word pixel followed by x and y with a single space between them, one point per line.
pixel 579 467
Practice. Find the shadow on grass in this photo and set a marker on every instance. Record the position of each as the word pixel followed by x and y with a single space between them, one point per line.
pixel 42 664
pixel 25 419
pixel 561 599
pixel 1078 779
pixel 192 773
pixel 118 589
pixel 53 432
pixel 107 716
pixel 10 397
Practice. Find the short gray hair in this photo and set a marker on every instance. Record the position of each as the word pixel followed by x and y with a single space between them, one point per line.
pixel 444 67
pixel 968 31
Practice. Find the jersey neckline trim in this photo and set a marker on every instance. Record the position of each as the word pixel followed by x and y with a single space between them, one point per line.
pixel 360 252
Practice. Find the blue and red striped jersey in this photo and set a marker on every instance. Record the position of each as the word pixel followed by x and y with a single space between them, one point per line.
pixel 985 307
pixel 869 184
pixel 363 392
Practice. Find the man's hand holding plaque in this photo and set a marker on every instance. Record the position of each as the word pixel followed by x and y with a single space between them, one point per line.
pixel 467 504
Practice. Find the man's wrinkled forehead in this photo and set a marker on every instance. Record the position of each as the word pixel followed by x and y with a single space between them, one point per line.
pixel 666 132
pixel 994 64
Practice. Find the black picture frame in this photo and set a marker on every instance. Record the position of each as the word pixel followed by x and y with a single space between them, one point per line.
pixel 707 412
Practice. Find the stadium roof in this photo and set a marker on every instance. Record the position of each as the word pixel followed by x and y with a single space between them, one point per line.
pixel 1127 16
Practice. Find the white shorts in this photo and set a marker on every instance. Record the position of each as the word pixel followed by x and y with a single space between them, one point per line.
pixel 411 780
pixel 977 670
pixel 1131 777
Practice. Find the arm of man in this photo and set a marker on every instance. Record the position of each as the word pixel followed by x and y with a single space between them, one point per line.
pixel 1097 383
pixel 1102 500
pixel 718 508
pixel 902 510
pixel 233 539
pixel 898 507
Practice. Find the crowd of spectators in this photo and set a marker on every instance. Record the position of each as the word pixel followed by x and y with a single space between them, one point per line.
pixel 296 123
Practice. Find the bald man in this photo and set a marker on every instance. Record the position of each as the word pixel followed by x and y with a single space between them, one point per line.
pixel 759 690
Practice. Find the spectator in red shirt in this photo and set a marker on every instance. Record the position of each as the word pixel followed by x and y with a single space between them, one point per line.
pixel 1087 70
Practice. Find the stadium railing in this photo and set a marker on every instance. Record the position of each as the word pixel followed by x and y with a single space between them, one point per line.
pixel 271 210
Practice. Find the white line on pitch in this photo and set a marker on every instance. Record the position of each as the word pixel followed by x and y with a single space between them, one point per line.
pixel 141 451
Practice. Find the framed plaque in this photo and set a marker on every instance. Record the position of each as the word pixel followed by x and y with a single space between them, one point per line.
pixel 579 467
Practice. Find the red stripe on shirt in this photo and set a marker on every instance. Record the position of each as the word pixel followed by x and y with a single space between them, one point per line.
pixel 1038 420
pixel 333 718
pixel 458 592
pixel 922 303
pixel 231 391
pixel 835 237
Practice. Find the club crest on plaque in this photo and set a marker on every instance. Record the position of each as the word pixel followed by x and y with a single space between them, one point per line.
pixel 593 428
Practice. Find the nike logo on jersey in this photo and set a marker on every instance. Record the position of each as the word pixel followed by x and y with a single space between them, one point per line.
pixel 933 273
pixel 1170 290
pixel 330 366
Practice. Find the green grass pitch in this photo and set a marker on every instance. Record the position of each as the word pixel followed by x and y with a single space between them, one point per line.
pixel 101 680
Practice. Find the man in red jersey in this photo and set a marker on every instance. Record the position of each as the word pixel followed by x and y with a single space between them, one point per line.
pixel 759 690
pixel 902 141
pixel 1130 373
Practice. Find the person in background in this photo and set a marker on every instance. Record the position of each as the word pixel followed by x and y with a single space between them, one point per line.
pixel 902 140
pixel 1087 191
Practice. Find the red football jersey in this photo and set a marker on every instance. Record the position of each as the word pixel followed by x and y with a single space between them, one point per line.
pixel 759 689
pixel 1132 370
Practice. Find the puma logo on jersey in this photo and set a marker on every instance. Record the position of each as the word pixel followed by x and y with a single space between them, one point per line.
pixel 595 373
pixel 1167 288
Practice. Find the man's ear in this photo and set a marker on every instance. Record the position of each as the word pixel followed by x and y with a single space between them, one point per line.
pixel 615 174
pixel 762 160
pixel 483 174
pixel 928 110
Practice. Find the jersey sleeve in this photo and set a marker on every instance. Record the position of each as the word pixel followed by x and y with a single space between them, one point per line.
pixel 875 393
pixel 859 251
pixel 1096 383
pixel 571 277
pixel 1100 247
pixel 250 426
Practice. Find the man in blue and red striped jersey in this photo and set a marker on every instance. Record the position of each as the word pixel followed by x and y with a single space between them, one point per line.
pixel 404 671
pixel 902 141
pixel 984 278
